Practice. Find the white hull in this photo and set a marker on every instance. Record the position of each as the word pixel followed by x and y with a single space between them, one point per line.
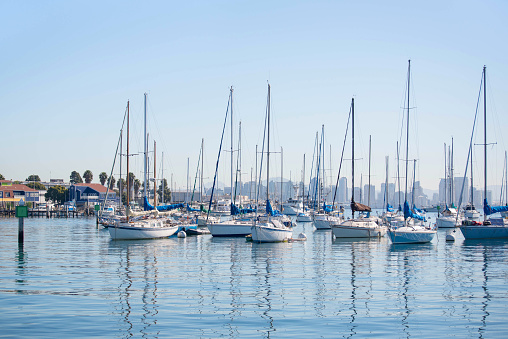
pixel 358 229
pixel 272 231
pixel 411 235
pixel 448 222
pixel 231 228
pixel 303 217
pixel 211 219
pixel 322 224
pixel 291 210
pixel 141 230
pixel 473 215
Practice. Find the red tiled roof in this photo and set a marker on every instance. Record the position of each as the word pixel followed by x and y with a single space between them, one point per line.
pixel 17 187
pixel 98 187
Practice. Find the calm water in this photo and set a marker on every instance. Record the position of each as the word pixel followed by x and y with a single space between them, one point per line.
pixel 70 280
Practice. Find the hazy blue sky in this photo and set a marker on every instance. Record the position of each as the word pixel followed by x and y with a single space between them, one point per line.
pixel 69 67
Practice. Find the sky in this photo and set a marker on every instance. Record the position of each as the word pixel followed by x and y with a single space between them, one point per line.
pixel 69 68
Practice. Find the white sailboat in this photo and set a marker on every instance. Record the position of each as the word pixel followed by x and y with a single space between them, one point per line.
pixel 361 227
pixel 450 217
pixel 234 227
pixel 412 230
pixel 493 228
pixel 268 228
pixel 146 227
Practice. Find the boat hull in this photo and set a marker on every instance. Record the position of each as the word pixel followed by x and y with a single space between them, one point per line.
pixel 322 224
pixel 230 229
pixel 402 236
pixel 484 232
pixel 303 218
pixel 358 229
pixel 447 222
pixel 121 232
pixel 270 233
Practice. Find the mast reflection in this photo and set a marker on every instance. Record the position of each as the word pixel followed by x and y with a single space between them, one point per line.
pixel 138 289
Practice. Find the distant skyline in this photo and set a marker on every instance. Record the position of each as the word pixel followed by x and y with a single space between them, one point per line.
pixel 70 68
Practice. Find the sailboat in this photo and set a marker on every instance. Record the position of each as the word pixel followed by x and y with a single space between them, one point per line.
pixel 359 227
pixel 236 227
pixel 269 228
pixel 142 227
pixel 493 228
pixel 449 218
pixel 412 230
pixel 323 217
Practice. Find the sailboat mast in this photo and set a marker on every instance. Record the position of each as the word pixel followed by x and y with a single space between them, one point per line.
pixel 145 151
pixel 256 177
pixel 202 160
pixel 128 187
pixel 506 177
pixel 303 183
pixel 452 191
pixel 398 170
pixel 472 200
pixel 414 181
pixel 386 182
pixel 485 138
pixel 281 176
pixel 240 160
pixel 353 155
pixel 268 151
pixel 322 183
pixel 162 180
pixel 368 198
pixel 407 123
pixel 154 175
pixel 121 152
pixel 231 144
pixel 445 178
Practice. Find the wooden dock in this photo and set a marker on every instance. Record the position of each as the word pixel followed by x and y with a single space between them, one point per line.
pixel 47 214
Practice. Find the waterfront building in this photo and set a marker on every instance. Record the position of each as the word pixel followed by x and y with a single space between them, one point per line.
pixel 13 193
pixel 90 194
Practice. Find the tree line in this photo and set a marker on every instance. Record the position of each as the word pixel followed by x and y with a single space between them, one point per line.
pixel 59 194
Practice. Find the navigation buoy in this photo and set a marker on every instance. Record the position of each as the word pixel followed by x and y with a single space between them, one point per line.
pixel 181 234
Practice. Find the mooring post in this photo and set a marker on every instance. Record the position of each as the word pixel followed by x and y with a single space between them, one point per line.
pixel 21 213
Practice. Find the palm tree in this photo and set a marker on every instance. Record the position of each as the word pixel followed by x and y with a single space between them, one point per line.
pixel 88 175
pixel 137 185
pixel 103 177
pixel 131 178
pixel 112 182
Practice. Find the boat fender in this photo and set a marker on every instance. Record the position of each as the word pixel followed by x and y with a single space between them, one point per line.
pixel 450 236
pixel 181 234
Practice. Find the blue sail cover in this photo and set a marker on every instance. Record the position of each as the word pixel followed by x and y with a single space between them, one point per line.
pixel 190 209
pixel 408 213
pixel 235 210
pixel 389 208
pixel 270 210
pixel 493 209
pixel 327 208
pixel 417 209
pixel 149 207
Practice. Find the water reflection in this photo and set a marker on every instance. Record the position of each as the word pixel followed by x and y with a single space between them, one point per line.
pixel 20 269
pixel 481 254
pixel 138 292
pixel 268 260
pixel 407 258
